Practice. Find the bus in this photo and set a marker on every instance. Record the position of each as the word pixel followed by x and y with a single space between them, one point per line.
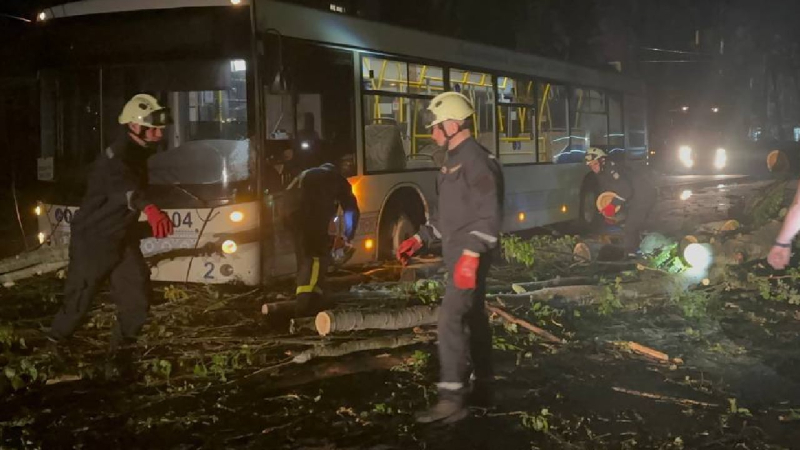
pixel 248 82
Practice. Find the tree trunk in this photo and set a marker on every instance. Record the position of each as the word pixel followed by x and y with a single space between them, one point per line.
pixel 521 288
pixel 45 255
pixel 348 347
pixel 284 308
pixel 9 279
pixel 333 321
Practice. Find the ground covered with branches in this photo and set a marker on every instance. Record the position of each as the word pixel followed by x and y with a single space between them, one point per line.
pixel 589 355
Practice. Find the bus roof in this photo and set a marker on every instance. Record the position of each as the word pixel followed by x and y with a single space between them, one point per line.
pixel 89 7
pixel 347 31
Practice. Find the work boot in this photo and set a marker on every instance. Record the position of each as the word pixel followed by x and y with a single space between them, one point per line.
pixel 449 409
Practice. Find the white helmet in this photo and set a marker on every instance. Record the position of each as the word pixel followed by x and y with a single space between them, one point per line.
pixel 144 109
pixel 450 106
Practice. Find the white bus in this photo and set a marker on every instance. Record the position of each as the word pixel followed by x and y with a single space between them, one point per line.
pixel 249 81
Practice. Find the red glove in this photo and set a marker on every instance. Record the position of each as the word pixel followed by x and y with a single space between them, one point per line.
pixel 466 270
pixel 159 222
pixel 610 210
pixel 408 248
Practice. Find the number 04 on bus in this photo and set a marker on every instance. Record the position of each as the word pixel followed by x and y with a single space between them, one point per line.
pixel 261 89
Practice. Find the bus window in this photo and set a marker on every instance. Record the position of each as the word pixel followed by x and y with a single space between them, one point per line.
pixel 635 120
pixel 616 132
pixel 395 115
pixel 552 124
pixel 316 116
pixel 588 121
pixel 479 88
pixel 516 111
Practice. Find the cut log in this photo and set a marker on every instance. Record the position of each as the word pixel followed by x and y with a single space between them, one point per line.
pixel 333 321
pixel 521 288
pixel 644 350
pixel 588 251
pixel 282 308
pixel 546 335
pixel 667 285
pixel 346 348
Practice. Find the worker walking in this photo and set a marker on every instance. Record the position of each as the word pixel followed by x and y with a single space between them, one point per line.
pixel 468 221
pixel 313 199
pixel 104 241
pixel 635 193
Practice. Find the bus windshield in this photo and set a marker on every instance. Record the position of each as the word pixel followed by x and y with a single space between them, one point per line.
pixel 206 144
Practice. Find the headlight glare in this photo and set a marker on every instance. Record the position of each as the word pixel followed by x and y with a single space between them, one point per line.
pixel 685 156
pixel 720 158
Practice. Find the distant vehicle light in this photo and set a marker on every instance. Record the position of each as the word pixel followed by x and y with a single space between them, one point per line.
pixel 715 109
pixel 564 209
pixel 38 210
pixel 521 217
pixel 229 247
pixel 42 16
pixel 369 244
pixel 699 256
pixel 236 216
pixel 686 195
pixel 41 237
pixel 305 145
pixel 720 158
pixel 685 156
pixel 684 108
pixel 236 2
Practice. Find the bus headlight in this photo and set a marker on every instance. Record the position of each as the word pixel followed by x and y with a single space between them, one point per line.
pixel 720 158
pixel 698 256
pixel 229 247
pixel 236 216
pixel 685 156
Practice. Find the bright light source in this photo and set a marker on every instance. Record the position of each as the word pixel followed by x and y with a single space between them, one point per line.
pixel 652 152
pixel 229 247
pixel 720 186
pixel 238 65
pixel 720 158
pixel 236 2
pixel 337 8
pixel 38 210
pixel 236 216
pixel 684 108
pixel 369 244
pixel 686 194
pixel 305 145
pixel 564 208
pixel 685 156
pixel 698 256
pixel 41 237
pixel 42 16
pixel 521 217
pixel 715 109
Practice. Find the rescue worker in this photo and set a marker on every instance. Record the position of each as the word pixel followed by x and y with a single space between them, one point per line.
pixel 635 192
pixel 315 195
pixel 468 221
pixel 104 242
pixel 781 251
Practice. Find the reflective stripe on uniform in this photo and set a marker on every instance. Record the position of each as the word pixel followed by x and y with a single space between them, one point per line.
pixel 312 284
pixel 486 237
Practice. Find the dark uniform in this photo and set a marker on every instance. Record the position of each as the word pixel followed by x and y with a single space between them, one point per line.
pixel 315 196
pixel 469 217
pixel 104 243
pixel 639 194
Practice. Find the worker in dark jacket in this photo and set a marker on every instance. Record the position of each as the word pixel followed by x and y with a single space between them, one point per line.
pixel 314 198
pixel 468 222
pixel 635 192
pixel 104 241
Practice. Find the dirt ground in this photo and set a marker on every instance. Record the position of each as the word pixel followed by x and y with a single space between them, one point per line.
pixel 211 372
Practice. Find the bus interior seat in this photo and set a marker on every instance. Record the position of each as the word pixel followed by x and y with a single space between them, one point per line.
pixel 384 148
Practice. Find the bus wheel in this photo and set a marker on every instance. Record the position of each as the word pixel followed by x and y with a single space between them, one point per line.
pixel 398 224
pixel 589 218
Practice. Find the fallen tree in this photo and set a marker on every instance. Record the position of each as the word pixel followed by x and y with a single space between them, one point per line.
pixel 345 348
